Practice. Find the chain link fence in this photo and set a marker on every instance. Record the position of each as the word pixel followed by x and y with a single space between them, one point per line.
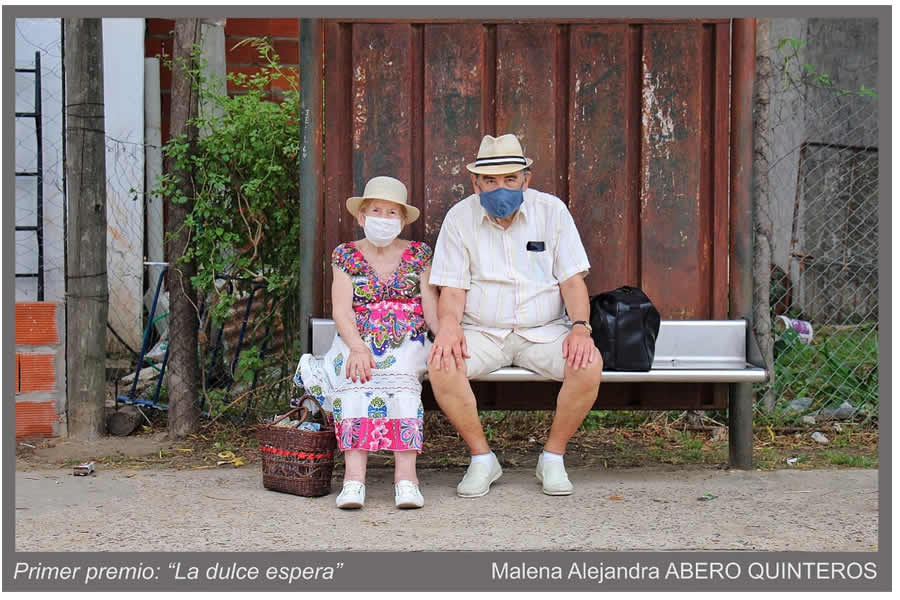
pixel 41 213
pixel 40 198
pixel 816 194
pixel 245 363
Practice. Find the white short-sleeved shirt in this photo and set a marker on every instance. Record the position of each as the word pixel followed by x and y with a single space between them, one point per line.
pixel 512 275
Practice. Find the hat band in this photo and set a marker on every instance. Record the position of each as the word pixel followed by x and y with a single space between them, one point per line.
pixel 500 160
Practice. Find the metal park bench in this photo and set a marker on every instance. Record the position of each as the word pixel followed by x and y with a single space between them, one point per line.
pixel 687 352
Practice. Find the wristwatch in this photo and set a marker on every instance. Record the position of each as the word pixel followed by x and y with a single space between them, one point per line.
pixel 586 325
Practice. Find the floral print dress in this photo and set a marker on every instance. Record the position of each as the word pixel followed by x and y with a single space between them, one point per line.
pixel 386 412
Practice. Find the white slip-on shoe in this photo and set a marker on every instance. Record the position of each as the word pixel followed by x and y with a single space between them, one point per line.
pixel 407 495
pixel 478 479
pixel 553 477
pixel 353 495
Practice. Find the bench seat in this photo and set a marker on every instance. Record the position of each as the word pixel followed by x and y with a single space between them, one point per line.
pixel 686 352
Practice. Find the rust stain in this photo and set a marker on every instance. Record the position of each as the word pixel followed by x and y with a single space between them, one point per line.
pixel 115 233
pixel 361 111
pixel 659 126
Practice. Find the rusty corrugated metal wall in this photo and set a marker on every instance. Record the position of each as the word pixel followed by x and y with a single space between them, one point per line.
pixel 627 121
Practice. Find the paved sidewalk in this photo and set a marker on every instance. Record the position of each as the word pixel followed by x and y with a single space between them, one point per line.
pixel 637 509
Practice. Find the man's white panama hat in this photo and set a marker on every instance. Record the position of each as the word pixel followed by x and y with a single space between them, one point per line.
pixel 499 155
pixel 384 188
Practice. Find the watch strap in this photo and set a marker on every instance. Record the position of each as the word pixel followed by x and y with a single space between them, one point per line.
pixel 586 325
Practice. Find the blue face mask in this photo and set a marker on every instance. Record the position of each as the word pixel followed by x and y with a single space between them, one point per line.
pixel 502 202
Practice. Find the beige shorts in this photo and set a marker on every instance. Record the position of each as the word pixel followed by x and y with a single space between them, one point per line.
pixel 487 355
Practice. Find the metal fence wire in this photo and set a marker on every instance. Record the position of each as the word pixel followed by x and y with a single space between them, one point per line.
pixel 40 200
pixel 816 237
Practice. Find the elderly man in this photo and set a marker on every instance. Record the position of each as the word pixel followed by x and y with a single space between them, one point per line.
pixel 511 267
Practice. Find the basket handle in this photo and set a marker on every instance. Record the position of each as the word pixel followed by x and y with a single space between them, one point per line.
pixel 319 404
pixel 313 398
pixel 292 411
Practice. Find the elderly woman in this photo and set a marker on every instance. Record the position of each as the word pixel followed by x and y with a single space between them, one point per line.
pixel 371 377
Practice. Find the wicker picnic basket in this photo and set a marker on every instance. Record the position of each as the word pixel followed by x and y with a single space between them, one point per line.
pixel 297 461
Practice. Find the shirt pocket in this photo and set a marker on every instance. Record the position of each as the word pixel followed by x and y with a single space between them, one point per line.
pixel 539 263
pixel 538 250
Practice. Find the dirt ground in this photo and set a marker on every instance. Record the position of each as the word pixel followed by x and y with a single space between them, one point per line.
pixel 659 485
pixel 516 437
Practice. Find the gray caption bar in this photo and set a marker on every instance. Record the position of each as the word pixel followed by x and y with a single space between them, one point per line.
pixel 470 571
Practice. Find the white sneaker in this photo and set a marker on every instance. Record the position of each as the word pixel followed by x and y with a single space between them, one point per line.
pixel 353 495
pixel 407 495
pixel 554 478
pixel 478 479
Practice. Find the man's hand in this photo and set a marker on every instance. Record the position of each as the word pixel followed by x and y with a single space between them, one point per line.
pixel 449 344
pixel 578 348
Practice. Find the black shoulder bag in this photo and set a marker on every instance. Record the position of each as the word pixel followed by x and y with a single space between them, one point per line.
pixel 625 325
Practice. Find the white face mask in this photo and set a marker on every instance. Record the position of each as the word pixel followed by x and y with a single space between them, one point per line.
pixel 382 232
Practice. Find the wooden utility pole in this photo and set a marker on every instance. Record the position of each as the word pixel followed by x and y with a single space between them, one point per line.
pixel 183 370
pixel 87 294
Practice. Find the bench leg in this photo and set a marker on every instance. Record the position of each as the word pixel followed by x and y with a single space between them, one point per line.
pixel 740 425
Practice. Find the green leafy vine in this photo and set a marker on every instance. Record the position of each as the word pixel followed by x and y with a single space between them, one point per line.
pixel 244 225
pixel 809 74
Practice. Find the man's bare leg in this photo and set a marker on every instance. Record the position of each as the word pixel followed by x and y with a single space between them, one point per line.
pixel 454 395
pixel 578 393
pixel 575 399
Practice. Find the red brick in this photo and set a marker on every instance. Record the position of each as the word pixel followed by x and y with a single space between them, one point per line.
pixel 165 79
pixel 36 373
pixel 34 419
pixel 288 52
pixel 160 26
pixel 263 27
pixel 157 45
pixel 36 324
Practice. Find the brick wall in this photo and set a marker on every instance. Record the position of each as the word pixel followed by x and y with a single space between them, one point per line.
pixel 40 370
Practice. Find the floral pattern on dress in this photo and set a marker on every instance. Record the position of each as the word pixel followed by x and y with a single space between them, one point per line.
pixel 398 435
pixel 377 408
pixel 348 434
pixel 378 435
pixel 298 380
pixel 386 363
pixel 411 432
pixel 384 413
pixel 386 310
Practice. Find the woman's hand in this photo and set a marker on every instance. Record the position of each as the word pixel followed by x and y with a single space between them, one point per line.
pixel 360 364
